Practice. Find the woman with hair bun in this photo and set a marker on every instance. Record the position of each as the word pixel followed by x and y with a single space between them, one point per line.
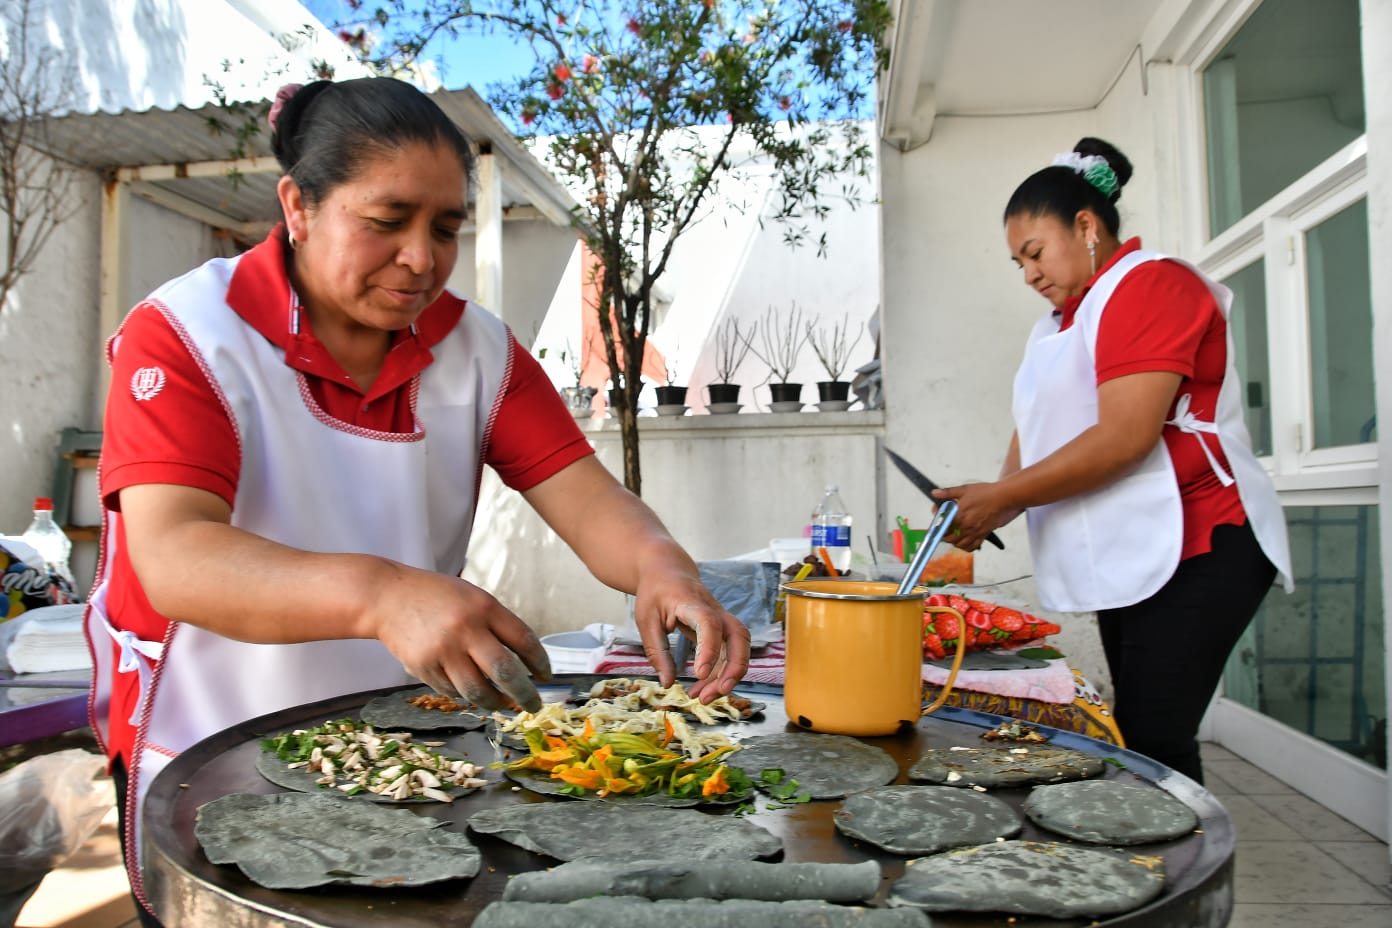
pixel 293 446
pixel 1130 456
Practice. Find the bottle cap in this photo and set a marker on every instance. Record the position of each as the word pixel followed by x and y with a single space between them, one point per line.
pixel 43 502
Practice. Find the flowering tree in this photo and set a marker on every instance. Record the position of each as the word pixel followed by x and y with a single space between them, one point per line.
pixel 647 105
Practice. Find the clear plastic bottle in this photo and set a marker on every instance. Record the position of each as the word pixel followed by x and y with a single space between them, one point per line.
pixel 831 528
pixel 45 537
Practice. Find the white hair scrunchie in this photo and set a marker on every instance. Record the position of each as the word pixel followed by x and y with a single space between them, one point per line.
pixel 1093 168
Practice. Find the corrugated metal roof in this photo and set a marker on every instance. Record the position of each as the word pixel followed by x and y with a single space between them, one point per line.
pixel 197 143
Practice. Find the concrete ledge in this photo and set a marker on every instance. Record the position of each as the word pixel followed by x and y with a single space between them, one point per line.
pixel 810 422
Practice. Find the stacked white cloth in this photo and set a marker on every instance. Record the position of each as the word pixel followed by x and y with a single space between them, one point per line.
pixel 46 639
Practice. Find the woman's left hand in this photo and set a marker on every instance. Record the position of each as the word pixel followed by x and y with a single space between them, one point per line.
pixel 626 546
pixel 674 600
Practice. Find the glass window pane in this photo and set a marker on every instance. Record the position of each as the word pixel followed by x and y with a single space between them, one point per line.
pixel 1284 94
pixel 1341 328
pixel 1248 321
pixel 1313 660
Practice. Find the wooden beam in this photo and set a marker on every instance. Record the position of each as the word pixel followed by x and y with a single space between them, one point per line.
pixel 182 205
pixel 199 169
pixel 115 270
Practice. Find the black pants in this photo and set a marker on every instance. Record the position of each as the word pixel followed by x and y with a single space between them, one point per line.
pixel 120 780
pixel 1166 654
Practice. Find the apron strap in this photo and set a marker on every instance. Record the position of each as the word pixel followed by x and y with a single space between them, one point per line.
pixel 1186 421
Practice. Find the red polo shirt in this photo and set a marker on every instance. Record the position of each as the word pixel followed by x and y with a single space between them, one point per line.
pixel 1161 317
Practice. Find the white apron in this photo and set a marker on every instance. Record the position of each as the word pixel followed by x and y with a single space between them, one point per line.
pixel 1119 544
pixel 310 482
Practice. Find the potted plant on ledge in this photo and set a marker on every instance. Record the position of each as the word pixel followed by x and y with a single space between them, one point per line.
pixel 671 399
pixel 831 349
pixel 731 348
pixel 782 339
pixel 579 399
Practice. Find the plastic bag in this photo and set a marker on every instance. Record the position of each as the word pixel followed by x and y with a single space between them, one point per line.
pixel 49 805
pixel 25 583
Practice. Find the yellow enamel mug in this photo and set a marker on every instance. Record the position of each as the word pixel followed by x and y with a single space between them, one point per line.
pixel 854 656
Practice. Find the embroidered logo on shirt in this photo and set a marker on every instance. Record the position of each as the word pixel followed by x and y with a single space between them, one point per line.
pixel 147 383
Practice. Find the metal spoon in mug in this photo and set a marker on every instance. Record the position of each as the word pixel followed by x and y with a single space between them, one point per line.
pixel 947 512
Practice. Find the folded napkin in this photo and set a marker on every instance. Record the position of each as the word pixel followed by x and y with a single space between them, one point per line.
pixel 49 638
pixel 1051 683
pixel 629 660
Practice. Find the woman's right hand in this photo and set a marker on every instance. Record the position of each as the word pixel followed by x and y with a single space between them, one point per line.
pixel 458 639
pixel 981 509
pixel 448 633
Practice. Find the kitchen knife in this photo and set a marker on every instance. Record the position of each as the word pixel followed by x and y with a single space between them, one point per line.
pixel 926 487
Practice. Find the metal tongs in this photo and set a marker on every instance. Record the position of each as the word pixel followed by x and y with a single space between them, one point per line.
pixel 947 512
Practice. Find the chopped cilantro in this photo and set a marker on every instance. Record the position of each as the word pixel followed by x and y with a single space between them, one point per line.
pixel 781 787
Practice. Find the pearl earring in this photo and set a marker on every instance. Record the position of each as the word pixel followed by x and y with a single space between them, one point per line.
pixel 1092 254
pixel 294 243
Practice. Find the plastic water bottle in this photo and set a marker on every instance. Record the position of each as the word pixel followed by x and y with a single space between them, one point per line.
pixel 831 529
pixel 45 537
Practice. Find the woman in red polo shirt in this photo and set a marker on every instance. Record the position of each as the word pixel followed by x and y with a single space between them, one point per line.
pixel 294 443
pixel 1130 455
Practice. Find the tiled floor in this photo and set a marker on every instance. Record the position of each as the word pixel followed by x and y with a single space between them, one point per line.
pixel 1298 864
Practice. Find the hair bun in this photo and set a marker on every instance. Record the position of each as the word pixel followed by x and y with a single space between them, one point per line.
pixel 291 103
pixel 282 97
pixel 1119 163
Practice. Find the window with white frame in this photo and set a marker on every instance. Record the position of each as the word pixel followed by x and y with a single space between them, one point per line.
pixel 1285 158
pixel 1285 197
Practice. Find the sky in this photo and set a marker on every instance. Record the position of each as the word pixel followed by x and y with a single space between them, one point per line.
pixel 467 60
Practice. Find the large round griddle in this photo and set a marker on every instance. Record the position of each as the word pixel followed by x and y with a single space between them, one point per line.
pixel 188 890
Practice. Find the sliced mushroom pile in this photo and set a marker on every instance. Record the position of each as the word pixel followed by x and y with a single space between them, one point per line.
pixel 352 757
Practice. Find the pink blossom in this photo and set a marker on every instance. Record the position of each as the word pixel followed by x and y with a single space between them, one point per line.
pixel 562 73
pixel 590 63
pixel 555 91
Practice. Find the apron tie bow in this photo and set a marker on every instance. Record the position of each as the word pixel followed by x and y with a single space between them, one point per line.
pixel 1186 421
pixel 136 655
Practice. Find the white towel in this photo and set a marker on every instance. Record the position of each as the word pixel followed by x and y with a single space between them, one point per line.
pixel 49 638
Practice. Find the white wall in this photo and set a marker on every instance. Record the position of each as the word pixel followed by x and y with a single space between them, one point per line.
pixel 537 274
pixel 723 485
pixel 49 359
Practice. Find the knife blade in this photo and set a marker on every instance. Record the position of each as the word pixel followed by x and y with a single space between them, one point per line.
pixel 927 486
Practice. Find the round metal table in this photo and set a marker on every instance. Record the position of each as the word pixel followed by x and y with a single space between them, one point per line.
pixel 187 890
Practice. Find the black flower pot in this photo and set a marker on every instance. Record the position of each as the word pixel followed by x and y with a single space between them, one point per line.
pixel 785 392
pixel 671 396
pixel 833 390
pixel 724 392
